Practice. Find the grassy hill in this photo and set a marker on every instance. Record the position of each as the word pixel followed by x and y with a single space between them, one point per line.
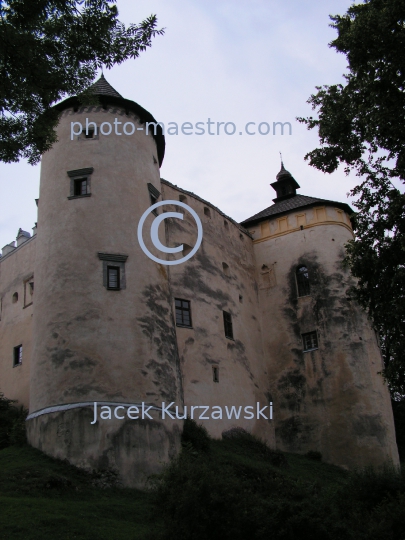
pixel 234 488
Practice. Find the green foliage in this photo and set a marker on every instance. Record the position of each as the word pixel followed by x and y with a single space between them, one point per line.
pixel 236 491
pixel 50 49
pixel 195 435
pixel 12 423
pixel 360 125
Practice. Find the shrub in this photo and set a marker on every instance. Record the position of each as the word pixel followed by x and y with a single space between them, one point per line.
pixel 12 423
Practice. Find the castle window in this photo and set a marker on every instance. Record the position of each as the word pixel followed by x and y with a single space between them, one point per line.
pixel 154 195
pixel 183 312
pixel 80 187
pixel 303 281
pixel 113 271
pixel 215 374
pixel 28 291
pixel 182 198
pixel 113 277
pixel 228 325
pixel 80 183
pixel 310 341
pixel 225 224
pixel 15 298
pixel 89 134
pixel 207 211
pixel 17 356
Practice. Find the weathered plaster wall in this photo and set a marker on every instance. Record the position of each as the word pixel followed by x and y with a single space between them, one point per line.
pixel 332 399
pixel 133 449
pixel 16 319
pixel 203 281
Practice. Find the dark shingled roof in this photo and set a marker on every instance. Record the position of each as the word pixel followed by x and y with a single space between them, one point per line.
pixel 104 88
pixel 285 206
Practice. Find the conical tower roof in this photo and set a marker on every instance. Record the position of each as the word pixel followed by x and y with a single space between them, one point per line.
pixel 103 88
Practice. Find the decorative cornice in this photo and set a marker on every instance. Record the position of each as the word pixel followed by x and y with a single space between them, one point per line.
pixel 113 257
pixel 80 172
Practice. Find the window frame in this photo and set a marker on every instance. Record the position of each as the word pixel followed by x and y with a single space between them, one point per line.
pixel 215 374
pixel 181 309
pixel 80 175
pixel 227 318
pixel 303 284
pixel 154 195
pixel 116 268
pixel 113 260
pixel 78 184
pixel 312 348
pixel 17 355
pixel 28 290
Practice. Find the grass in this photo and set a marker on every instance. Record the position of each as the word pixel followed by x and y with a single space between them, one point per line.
pixel 41 497
pixel 45 498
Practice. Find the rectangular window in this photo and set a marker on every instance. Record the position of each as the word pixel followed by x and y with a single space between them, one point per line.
pixel 80 186
pixel 17 358
pixel 183 312
pixel 154 195
pixel 113 277
pixel 310 341
pixel 215 374
pixel 113 270
pixel 228 325
pixel 89 134
pixel 80 182
pixel 28 291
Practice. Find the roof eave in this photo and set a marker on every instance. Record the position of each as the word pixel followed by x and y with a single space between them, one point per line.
pixel 343 206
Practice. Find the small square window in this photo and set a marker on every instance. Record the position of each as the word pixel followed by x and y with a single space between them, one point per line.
pixel 228 325
pixel 113 278
pixel 80 186
pixel 215 374
pixel 89 134
pixel 183 312
pixel 17 357
pixel 310 341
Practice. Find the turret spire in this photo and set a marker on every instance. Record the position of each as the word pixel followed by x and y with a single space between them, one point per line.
pixel 286 186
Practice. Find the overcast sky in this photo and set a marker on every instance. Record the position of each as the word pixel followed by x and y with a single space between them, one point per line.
pixel 229 61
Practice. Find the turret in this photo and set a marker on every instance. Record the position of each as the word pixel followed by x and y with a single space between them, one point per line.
pixel 103 325
pixel 322 354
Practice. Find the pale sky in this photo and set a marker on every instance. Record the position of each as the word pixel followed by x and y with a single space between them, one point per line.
pixel 229 61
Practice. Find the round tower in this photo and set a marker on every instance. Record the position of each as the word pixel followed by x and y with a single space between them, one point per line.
pixel 103 324
pixel 323 358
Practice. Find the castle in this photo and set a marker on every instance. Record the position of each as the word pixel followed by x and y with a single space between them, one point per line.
pixel 257 316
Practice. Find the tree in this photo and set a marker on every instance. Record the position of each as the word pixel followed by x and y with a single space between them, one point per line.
pixel 50 49
pixel 361 125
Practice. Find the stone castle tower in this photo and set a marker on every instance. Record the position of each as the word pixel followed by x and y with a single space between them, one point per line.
pixel 259 314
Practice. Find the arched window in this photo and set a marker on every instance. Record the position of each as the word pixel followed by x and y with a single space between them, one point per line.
pixel 303 281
